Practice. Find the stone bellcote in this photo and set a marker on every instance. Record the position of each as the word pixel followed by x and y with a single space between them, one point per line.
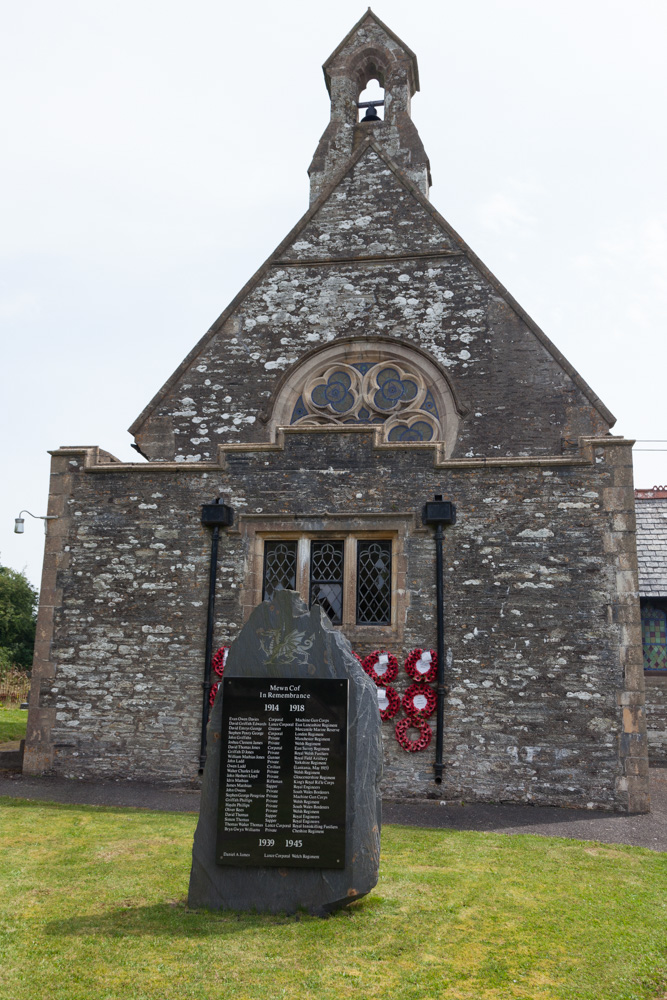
pixel 371 51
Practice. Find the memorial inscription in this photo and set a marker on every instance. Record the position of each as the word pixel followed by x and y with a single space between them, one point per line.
pixel 283 773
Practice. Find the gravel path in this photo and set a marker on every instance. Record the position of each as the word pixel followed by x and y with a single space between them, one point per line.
pixel 648 830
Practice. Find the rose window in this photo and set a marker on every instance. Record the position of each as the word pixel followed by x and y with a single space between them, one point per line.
pixel 386 393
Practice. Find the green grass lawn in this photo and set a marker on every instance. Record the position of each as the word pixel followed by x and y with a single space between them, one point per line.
pixel 93 908
pixel 13 722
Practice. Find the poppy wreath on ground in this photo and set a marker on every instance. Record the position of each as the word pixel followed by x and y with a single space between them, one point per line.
pixel 419 701
pixel 219 660
pixel 422 741
pixel 381 666
pixel 422 665
pixel 357 657
pixel 389 702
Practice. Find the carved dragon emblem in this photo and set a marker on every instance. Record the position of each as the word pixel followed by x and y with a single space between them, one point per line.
pixel 282 647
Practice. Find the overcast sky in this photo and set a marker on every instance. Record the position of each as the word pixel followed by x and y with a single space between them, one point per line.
pixel 156 153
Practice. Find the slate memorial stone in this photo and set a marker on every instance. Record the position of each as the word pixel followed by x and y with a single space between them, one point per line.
pixel 290 808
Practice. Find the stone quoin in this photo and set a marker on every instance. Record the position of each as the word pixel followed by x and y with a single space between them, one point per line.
pixel 371 363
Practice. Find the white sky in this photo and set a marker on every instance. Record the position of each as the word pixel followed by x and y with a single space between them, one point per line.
pixel 156 153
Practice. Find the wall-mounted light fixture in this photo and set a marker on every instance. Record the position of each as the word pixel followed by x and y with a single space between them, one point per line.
pixel 19 522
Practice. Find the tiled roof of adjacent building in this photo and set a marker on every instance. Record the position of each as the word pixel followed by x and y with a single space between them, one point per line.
pixel 651 511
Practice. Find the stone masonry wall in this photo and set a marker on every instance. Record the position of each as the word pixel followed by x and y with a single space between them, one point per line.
pixel 656 719
pixel 370 51
pixel 373 260
pixel 544 697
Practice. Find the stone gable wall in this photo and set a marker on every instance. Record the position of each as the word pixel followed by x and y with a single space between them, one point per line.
pixel 520 400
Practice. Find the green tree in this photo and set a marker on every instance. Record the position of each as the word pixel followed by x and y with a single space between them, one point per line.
pixel 18 617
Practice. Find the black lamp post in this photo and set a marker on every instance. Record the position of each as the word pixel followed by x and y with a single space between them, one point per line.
pixel 439 512
pixel 213 515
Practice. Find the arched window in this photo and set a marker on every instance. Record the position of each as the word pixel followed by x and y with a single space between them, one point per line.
pixel 367 393
pixel 373 382
pixel 654 637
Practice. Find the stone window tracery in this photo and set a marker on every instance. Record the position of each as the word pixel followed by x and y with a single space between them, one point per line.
pixel 391 393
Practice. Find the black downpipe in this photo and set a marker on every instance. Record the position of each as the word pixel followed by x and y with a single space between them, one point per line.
pixel 440 599
pixel 440 512
pixel 213 515
pixel 210 618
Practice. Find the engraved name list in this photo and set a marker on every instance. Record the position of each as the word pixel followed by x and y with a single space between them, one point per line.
pixel 283 773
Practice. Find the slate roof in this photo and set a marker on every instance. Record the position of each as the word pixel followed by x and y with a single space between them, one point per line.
pixel 652 545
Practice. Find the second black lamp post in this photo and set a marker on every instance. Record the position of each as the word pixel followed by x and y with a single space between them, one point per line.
pixel 439 512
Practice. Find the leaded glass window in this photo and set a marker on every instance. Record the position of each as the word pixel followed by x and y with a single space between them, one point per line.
pixel 326 578
pixel 349 577
pixel 373 582
pixel 279 567
pixel 654 637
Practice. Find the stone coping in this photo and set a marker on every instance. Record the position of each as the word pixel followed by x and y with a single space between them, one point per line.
pixel 95 460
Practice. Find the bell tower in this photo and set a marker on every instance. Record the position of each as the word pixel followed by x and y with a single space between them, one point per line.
pixel 370 51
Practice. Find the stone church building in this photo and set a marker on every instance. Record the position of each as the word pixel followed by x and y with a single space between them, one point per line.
pixel 372 363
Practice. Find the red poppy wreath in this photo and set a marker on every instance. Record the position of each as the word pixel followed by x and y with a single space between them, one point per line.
pixel 422 665
pixel 389 702
pixel 419 701
pixel 219 660
pixel 422 741
pixel 381 666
